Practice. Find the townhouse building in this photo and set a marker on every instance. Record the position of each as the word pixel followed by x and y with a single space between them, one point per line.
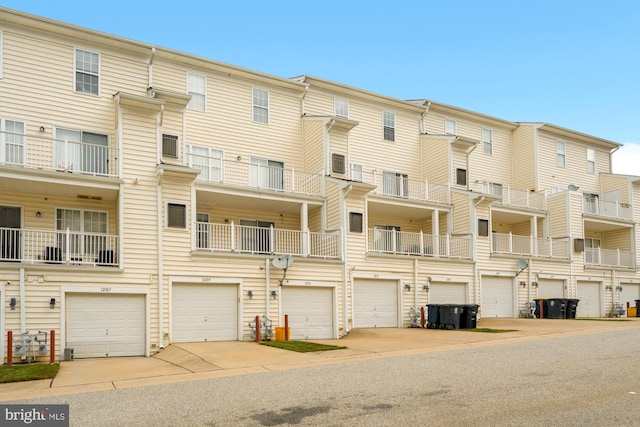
pixel 149 196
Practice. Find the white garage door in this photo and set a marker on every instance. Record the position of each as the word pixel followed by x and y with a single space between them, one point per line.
pixel 447 293
pixel 375 304
pixel 497 296
pixel 204 312
pixel 589 296
pixel 629 294
pixel 310 312
pixel 105 325
pixel 550 288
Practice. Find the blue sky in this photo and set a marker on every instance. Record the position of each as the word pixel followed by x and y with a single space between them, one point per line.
pixel 572 63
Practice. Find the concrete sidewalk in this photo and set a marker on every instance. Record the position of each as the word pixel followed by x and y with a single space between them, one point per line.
pixel 193 361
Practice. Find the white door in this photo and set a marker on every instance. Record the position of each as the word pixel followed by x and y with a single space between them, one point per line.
pixel 105 325
pixel 550 288
pixel 310 312
pixel 629 294
pixel 497 296
pixel 447 293
pixel 375 304
pixel 204 312
pixel 589 296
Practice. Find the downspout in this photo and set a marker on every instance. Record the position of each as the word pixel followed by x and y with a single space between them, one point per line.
pixel 160 264
pixel 424 113
pixel 611 153
pixel 267 296
pixel 469 165
pixel 415 284
pixel 345 267
pixel 151 58
pixel 302 113
pixel 23 311
pixel 327 150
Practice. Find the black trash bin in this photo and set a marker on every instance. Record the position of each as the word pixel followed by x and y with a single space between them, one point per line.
pixel 450 316
pixel 555 308
pixel 469 316
pixel 572 307
pixel 433 316
pixel 638 308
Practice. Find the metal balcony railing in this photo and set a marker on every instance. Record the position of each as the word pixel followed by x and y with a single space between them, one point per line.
pixel 609 258
pixel 406 243
pixel 509 196
pixel 58 247
pixel 399 185
pixel 595 206
pixel 263 240
pixel 59 155
pixel 548 247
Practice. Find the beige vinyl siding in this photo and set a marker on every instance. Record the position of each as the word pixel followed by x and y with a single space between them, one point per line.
pixel 496 167
pixel 461 213
pixel 613 183
pixel 459 161
pixel 557 205
pixel 434 123
pixel 339 144
pixel 333 207
pixel 435 160
pixel 524 155
pixel 313 146
pixel 618 239
pixel 319 103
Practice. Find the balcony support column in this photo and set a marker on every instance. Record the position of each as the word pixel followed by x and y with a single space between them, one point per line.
pixel 534 236
pixel 435 231
pixel 304 228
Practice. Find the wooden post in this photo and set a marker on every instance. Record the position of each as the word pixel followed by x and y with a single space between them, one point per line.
pixel 422 317
pixel 52 347
pixel 9 348
pixel 257 329
pixel 286 327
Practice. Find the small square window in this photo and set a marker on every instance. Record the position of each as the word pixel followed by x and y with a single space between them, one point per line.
pixel 356 172
pixel 176 215
pixel 169 145
pixel 355 222
pixel 450 127
pixel 341 108
pixel 461 176
pixel 338 163
pixel 483 227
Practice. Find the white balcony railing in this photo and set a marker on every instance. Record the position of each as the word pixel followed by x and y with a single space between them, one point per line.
pixel 243 174
pixel 595 206
pixel 263 240
pixel 511 196
pixel 58 155
pixel 58 247
pixel 510 244
pixel 399 185
pixel 405 243
pixel 608 258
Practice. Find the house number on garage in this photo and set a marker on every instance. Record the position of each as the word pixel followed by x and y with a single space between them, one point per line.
pixel 206 279
pixel 105 289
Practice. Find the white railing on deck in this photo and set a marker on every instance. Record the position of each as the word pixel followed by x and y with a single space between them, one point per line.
pixel 58 247
pixel 511 244
pixel 263 240
pixel 511 196
pixel 401 186
pixel 59 155
pixel 595 206
pixel 407 243
pixel 609 258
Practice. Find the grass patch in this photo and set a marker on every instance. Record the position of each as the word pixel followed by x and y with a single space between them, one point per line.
pixel 489 330
pixel 301 346
pixel 600 319
pixel 30 372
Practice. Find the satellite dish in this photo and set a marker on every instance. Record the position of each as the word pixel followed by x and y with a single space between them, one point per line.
pixel 283 261
pixel 522 264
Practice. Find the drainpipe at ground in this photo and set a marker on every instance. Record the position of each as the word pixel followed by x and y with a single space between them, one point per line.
pixel 23 313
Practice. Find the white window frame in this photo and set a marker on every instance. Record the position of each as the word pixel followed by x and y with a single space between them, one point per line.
pixel 355 172
pixel 267 173
pixel 260 105
pixel 591 160
pixel 200 92
pixel 450 127
pixel 87 72
pixel 210 162
pixel 389 123
pixel 203 230
pixel 561 153
pixel 341 107
pixel 487 141
pixel 73 154
pixel 13 147
pixel 82 243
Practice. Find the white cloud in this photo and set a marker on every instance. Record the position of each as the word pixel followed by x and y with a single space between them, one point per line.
pixel 626 160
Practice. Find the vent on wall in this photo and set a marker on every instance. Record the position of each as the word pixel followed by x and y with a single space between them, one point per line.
pixel 169 145
pixel 338 163
pixel 578 245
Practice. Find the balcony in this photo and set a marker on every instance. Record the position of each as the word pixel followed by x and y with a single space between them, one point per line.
pixel 595 206
pixel 400 186
pixel 268 241
pixel 418 244
pixel 57 155
pixel 511 196
pixel 598 257
pixel 58 247
pixel 251 175
pixel 548 247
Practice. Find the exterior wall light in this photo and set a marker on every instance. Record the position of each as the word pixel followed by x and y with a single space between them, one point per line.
pixel 12 303
pixel 250 294
pixel 407 287
pixel 523 284
pixel 425 288
pixel 52 303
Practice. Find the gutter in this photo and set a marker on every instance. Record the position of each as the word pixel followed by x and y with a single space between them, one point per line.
pixel 343 235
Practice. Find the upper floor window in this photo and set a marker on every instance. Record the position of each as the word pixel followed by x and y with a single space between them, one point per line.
pixel 591 160
pixel 341 108
pixel 208 161
pixel 487 141
pixel 265 173
pixel 356 172
pixel 80 151
pixel 561 154
pixel 197 88
pixel 395 184
pixel 176 215
pixel 87 75
pixel 450 127
pixel 355 222
pixel 461 176
pixel 389 120
pixel 12 142
pixel 260 106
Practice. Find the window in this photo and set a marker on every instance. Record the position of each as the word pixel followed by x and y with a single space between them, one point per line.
pixel 592 250
pixel 483 227
pixel 12 142
pixel 355 222
pixel 264 173
pixel 203 231
pixel 493 188
pixel 197 88
pixel 176 215
pixel 208 161
pixel 255 236
pixel 461 176
pixel 487 141
pixel 356 172
pixel 10 238
pixel 591 203
pixel 169 145
pixel 387 238
pixel 395 184
pixel 450 127
pixel 87 74
pixel 341 108
pixel 591 160
pixel 338 163
pixel 561 153
pixel 389 121
pixel 88 231
pixel 260 106
pixel 80 151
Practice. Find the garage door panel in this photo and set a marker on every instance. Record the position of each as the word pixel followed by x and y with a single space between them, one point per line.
pixel 550 288
pixel 629 294
pixel 589 296
pixel 447 293
pixel 497 297
pixel 310 312
pixel 375 304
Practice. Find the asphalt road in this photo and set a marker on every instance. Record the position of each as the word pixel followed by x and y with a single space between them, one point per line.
pixel 585 380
